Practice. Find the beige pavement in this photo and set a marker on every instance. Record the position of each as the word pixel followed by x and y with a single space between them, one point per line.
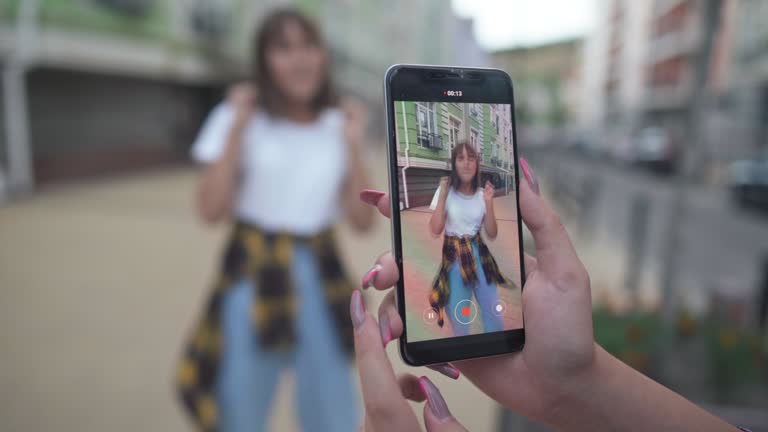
pixel 99 282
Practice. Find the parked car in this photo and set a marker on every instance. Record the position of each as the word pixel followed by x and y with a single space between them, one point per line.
pixel 653 148
pixel 748 183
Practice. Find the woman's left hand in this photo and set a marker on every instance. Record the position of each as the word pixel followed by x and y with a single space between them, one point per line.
pixel 488 191
pixel 355 122
pixel 385 394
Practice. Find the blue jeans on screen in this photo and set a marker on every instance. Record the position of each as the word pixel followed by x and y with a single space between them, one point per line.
pixel 486 297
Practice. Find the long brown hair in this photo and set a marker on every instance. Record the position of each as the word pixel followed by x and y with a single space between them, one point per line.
pixel 270 31
pixel 471 152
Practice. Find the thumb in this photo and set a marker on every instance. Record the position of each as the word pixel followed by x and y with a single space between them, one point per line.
pixel 437 417
pixel 554 250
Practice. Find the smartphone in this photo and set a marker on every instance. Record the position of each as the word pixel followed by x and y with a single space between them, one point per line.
pixel 456 226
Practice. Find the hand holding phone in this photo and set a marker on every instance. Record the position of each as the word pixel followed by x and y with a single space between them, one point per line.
pixel 560 354
pixel 457 242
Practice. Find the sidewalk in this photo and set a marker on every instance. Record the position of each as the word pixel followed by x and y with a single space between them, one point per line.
pixel 101 280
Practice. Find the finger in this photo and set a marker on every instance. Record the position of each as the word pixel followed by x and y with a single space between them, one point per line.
pixel 554 252
pixel 390 323
pixel 385 407
pixel 530 265
pixel 437 416
pixel 446 369
pixel 391 328
pixel 378 199
pixel 410 387
pixel 384 273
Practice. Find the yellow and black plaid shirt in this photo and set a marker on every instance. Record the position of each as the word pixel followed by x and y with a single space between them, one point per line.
pixel 460 248
pixel 265 258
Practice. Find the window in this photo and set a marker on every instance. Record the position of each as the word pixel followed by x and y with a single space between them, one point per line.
pixel 454 130
pixel 427 123
pixel 474 141
pixel 426 117
pixel 475 111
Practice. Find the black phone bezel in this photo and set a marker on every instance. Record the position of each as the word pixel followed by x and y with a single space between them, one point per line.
pixel 404 82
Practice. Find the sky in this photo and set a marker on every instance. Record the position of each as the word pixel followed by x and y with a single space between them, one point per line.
pixel 509 23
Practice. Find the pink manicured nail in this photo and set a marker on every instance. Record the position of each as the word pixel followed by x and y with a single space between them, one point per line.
pixel 370 276
pixel 529 175
pixel 434 399
pixel 357 308
pixel 370 196
pixel 385 329
pixel 446 369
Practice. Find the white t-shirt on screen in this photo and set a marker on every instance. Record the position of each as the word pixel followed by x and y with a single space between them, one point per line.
pixel 464 213
pixel 291 173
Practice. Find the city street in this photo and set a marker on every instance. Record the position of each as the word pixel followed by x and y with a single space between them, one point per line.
pixel 106 263
pixel 721 244
pixel 101 279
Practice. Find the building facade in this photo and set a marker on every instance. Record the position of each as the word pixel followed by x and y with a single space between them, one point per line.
pixel 613 68
pixel 106 85
pixel 544 77
pixel 427 132
pixel 744 112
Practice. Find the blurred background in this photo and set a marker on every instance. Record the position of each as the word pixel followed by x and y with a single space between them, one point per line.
pixel 646 121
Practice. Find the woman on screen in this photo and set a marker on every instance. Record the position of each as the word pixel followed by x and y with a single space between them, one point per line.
pixel 467 269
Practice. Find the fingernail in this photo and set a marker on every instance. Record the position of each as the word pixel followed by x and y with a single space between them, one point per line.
pixel 386 331
pixel 446 369
pixel 370 196
pixel 357 308
pixel 529 175
pixel 434 399
pixel 370 276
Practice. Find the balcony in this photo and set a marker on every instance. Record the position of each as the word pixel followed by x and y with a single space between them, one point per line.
pixel 430 140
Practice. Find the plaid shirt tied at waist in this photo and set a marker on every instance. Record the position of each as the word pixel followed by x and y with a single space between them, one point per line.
pixel 266 259
pixel 460 248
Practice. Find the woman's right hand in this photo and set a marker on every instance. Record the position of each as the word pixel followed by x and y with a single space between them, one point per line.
pixel 561 377
pixel 559 354
pixel 444 182
pixel 242 98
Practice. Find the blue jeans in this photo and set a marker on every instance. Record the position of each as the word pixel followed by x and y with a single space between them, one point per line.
pixel 485 294
pixel 248 375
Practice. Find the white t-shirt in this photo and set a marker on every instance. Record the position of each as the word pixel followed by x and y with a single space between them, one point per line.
pixel 291 173
pixel 463 213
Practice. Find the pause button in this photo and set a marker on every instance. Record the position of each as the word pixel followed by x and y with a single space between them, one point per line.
pixel 430 316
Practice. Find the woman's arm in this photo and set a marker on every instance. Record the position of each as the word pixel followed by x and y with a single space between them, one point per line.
pixel 613 396
pixel 360 215
pixel 218 184
pixel 437 220
pixel 489 220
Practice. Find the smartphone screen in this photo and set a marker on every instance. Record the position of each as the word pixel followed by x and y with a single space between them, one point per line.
pixel 453 161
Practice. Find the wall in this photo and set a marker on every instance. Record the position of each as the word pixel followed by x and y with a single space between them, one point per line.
pixel 83 124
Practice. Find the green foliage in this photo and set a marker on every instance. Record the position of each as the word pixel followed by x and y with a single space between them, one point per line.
pixel 737 362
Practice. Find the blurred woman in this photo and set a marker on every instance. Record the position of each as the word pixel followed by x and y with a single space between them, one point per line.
pixel 281 157
pixel 467 268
